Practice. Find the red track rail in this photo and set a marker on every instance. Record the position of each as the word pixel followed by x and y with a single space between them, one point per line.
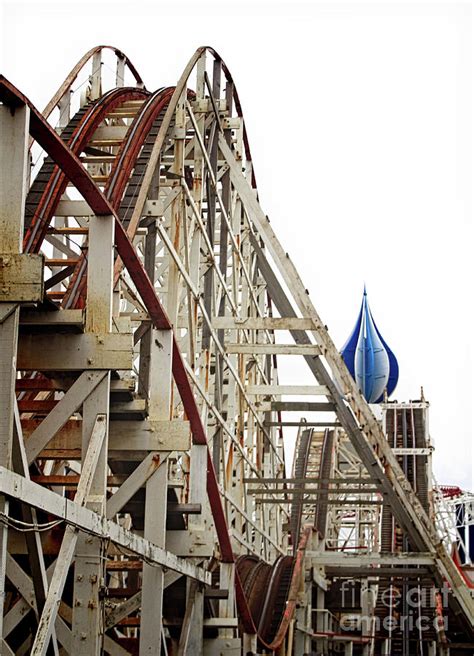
pixel 48 203
pixel 121 170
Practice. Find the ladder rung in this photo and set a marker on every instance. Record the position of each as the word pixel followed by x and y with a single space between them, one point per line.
pixel 68 231
pixel 58 262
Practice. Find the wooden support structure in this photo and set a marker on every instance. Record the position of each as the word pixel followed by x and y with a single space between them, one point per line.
pixel 141 328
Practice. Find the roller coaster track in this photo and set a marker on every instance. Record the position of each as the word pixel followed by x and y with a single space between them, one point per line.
pixel 156 319
pixel 321 461
pixel 405 429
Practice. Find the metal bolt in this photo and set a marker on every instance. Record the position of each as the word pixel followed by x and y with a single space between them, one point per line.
pixel 79 577
pixel 93 578
pixel 83 636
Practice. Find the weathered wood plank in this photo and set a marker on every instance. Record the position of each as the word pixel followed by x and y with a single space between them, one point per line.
pixel 86 520
pixel 296 390
pixel 21 277
pixel 88 351
pixel 296 406
pixel 73 208
pixel 61 318
pixel 263 323
pixel 124 436
pixel 277 349
pixel 110 133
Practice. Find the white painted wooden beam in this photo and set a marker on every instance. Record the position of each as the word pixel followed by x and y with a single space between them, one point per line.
pixel 14 127
pixel 290 390
pixel 88 521
pixel 262 323
pixel 270 349
pixel 85 352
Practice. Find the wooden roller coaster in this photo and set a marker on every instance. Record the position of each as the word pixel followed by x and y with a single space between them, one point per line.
pixel 144 502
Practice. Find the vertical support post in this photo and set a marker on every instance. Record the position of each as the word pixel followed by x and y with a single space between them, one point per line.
pixel 96 76
pixel 13 170
pixel 59 222
pixel 177 219
pixel 120 72
pixel 432 650
pixel 349 648
pixel 321 623
pixel 429 459
pixel 33 540
pixel 364 598
pixel 191 639
pixel 160 399
pixel 197 195
pixel 209 287
pixel 249 644
pixel 302 639
pixel 223 257
pixel 64 107
pixel 211 218
pixel 145 342
pixel 227 582
pixel 155 384
pixel 197 485
pixel 194 592
pixel 89 571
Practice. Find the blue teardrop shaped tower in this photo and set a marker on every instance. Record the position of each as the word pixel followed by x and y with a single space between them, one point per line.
pixel 369 359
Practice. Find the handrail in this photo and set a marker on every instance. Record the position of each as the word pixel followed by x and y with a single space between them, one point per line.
pixel 74 72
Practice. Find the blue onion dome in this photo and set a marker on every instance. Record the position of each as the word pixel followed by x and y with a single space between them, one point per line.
pixel 369 359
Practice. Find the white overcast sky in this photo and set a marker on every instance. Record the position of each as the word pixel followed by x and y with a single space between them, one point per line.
pixel 360 124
